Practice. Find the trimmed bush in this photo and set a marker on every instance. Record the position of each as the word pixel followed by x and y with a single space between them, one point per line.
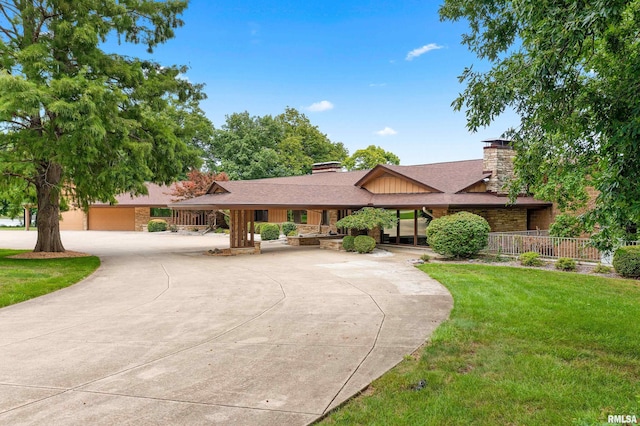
pixel 292 233
pixel 425 258
pixel 626 261
pixel 458 235
pixel 269 231
pixel 601 269
pixel 566 264
pixel 348 244
pixel 364 244
pixel 530 258
pixel 157 225
pixel 287 227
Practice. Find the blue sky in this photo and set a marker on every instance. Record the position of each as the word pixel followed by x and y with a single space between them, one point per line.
pixel 365 72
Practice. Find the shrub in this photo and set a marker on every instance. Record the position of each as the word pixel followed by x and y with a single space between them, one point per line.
pixel 364 244
pixel 292 233
pixel 566 226
pixel 157 225
pixel 287 227
pixel 530 258
pixel 459 235
pixel 626 261
pixel 269 231
pixel 425 258
pixel 566 264
pixel 348 244
pixel 173 228
pixel 601 269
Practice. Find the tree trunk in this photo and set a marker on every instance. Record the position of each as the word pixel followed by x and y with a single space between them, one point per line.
pixel 48 220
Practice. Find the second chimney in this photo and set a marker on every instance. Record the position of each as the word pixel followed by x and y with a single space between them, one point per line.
pixel 329 166
pixel 498 159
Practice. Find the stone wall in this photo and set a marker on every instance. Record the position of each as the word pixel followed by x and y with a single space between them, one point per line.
pixel 142 218
pixel 499 161
pixel 502 219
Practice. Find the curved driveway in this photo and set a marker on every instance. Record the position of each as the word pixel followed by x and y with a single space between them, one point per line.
pixel 162 334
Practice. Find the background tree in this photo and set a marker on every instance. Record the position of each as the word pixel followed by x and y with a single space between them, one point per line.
pixel 197 184
pixel 369 157
pixel 85 123
pixel 252 147
pixel 570 69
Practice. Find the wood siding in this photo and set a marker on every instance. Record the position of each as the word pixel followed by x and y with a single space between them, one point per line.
pixel 314 217
pixel 277 215
pixel 478 187
pixel 72 220
pixel 389 184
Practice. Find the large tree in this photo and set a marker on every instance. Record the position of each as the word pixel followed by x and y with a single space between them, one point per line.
pixel 80 123
pixel 370 157
pixel 571 70
pixel 253 147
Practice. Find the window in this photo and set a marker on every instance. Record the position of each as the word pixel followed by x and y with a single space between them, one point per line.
pixel 261 216
pixel 160 212
pixel 326 217
pixel 297 216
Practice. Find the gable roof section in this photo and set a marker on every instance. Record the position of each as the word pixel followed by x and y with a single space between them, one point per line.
pixel 448 177
pixel 260 194
pixel 382 169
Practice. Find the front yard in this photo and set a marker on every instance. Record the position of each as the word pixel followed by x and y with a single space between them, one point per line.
pixel 23 279
pixel 522 347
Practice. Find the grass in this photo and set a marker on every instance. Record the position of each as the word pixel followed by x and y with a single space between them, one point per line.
pixel 521 347
pixel 23 279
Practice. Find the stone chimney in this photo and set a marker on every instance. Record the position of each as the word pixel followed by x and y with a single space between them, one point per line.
pixel 498 159
pixel 329 166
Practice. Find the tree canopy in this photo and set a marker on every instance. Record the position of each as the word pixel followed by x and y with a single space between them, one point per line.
pixel 369 157
pixel 369 218
pixel 253 147
pixel 196 184
pixel 83 123
pixel 571 71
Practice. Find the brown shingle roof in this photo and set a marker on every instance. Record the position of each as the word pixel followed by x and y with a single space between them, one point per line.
pixel 158 196
pixel 342 190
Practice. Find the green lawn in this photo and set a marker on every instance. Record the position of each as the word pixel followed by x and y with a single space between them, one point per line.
pixel 522 347
pixel 23 279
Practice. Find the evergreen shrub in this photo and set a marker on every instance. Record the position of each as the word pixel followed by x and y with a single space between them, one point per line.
pixel 462 234
pixel 269 231
pixel 626 261
pixel 364 243
pixel 157 225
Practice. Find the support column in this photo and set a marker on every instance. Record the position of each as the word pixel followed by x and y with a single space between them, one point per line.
pixel 241 224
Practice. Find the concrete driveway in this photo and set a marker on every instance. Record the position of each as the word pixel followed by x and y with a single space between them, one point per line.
pixel 162 334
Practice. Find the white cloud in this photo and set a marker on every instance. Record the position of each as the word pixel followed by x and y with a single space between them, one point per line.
pixel 387 131
pixel 422 50
pixel 320 106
